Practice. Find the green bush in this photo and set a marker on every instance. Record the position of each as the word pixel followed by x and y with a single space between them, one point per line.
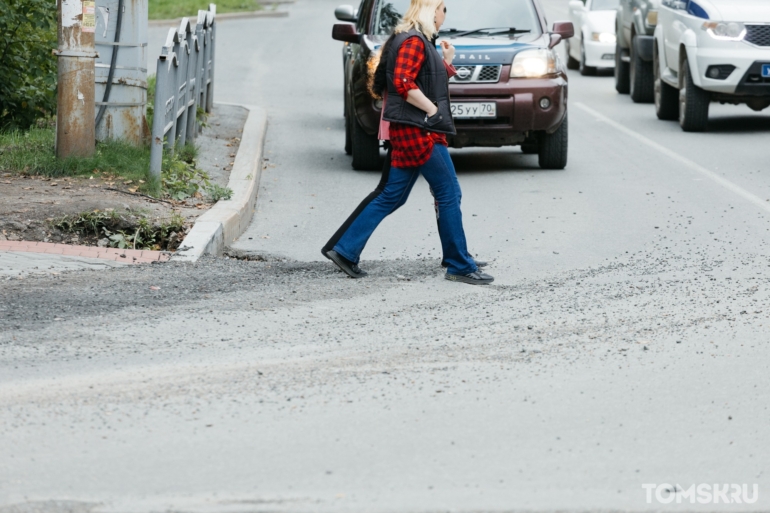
pixel 27 66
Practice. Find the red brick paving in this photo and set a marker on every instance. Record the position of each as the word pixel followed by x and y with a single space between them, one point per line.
pixel 129 256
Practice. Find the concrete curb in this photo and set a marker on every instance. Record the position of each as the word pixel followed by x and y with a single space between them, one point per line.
pixel 226 16
pixel 227 220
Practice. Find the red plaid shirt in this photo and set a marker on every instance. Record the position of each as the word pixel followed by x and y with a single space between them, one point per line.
pixel 412 146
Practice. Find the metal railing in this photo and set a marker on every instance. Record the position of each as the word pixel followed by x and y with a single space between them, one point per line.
pixel 184 83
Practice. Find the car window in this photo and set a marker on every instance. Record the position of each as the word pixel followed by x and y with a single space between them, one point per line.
pixel 465 15
pixel 388 14
pixel 361 23
pixel 604 5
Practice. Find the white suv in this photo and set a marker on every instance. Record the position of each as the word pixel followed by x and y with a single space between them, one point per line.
pixel 710 50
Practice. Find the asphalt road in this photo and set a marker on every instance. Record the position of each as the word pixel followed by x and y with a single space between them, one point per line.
pixel 624 341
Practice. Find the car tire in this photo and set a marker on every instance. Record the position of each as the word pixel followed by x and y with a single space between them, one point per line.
pixel 572 63
pixel 552 148
pixel 666 97
pixel 348 129
pixel 694 103
pixel 584 69
pixel 348 137
pixel 622 81
pixel 641 80
pixel 365 148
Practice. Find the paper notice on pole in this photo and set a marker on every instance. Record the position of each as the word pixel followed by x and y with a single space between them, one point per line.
pixel 71 12
pixel 89 17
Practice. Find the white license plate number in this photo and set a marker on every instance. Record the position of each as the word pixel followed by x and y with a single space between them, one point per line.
pixel 766 70
pixel 474 110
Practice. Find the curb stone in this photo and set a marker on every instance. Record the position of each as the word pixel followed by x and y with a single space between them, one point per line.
pixel 228 219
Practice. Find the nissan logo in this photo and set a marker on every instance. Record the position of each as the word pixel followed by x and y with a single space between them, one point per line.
pixel 464 73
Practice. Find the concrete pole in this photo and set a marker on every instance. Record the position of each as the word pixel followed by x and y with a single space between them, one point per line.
pixel 75 133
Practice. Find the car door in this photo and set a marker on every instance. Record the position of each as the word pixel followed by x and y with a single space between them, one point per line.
pixel 671 13
pixel 627 20
pixel 576 12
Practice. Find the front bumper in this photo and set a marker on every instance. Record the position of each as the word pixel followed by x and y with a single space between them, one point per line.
pixel 518 110
pixel 745 80
pixel 599 55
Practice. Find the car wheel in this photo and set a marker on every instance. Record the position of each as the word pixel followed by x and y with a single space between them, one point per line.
pixel 622 82
pixel 585 70
pixel 641 79
pixel 348 130
pixel 348 137
pixel 572 63
pixel 552 151
pixel 366 148
pixel 666 97
pixel 693 103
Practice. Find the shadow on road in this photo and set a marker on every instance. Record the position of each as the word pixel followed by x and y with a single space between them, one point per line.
pixel 509 160
pixel 739 124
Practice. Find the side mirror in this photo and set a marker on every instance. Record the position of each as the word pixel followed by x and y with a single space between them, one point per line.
pixel 346 13
pixel 345 32
pixel 561 30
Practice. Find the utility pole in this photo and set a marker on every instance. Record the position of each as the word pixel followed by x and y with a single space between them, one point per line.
pixel 75 134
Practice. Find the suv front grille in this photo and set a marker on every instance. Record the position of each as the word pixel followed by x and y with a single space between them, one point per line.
pixel 758 35
pixel 473 74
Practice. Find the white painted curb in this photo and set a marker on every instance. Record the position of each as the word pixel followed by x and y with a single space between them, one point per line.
pixel 228 219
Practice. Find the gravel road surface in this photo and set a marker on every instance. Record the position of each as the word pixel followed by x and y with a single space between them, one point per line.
pixel 624 341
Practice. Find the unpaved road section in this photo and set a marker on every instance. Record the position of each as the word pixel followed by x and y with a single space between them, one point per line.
pixel 283 386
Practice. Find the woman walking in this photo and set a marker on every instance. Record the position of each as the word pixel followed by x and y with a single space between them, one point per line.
pixel 417 108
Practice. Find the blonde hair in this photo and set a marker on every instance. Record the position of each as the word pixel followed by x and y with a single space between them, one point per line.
pixel 421 16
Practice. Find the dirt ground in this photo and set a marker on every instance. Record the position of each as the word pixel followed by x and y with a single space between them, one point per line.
pixel 29 205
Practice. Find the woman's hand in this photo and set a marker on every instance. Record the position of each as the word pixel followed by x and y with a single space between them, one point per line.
pixel 448 50
pixel 418 99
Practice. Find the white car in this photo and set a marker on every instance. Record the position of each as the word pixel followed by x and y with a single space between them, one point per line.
pixel 710 50
pixel 594 43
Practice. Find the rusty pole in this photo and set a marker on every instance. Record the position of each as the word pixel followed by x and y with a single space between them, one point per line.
pixel 75 133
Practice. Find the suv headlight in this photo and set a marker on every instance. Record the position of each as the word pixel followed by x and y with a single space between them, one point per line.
pixel 533 64
pixel 725 31
pixel 603 37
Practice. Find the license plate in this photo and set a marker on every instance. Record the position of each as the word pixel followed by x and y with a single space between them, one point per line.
pixel 474 110
pixel 766 70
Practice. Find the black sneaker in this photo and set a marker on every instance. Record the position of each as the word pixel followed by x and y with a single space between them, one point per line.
pixel 477 278
pixel 479 263
pixel 344 264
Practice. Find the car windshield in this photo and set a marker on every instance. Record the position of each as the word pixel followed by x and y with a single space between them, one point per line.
pixel 466 15
pixel 605 5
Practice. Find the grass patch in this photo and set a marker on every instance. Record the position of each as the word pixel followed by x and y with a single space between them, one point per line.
pixel 170 9
pixel 32 152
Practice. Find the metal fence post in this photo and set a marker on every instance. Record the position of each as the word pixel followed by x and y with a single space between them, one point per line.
pixel 205 68
pixel 212 57
pixel 160 117
pixel 182 82
pixel 189 97
pixel 174 90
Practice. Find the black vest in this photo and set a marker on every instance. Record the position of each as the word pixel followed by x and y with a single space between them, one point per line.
pixel 432 80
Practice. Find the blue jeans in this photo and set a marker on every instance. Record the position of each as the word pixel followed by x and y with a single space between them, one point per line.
pixel 439 172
